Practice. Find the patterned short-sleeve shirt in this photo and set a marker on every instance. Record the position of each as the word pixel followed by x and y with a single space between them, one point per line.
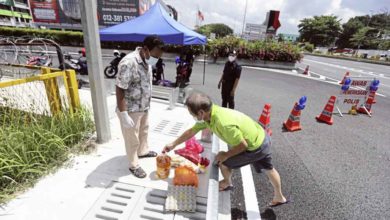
pixel 135 77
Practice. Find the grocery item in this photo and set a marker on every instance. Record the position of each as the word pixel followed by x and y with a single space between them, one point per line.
pixel 189 154
pixel 193 145
pixel 185 176
pixel 163 162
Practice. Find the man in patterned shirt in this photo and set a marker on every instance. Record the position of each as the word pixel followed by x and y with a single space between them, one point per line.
pixel 133 94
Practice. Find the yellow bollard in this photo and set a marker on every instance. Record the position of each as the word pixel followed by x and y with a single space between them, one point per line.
pixel 72 87
pixel 52 92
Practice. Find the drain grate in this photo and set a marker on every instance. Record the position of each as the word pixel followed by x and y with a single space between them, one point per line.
pixel 116 202
pixel 171 128
pixel 127 202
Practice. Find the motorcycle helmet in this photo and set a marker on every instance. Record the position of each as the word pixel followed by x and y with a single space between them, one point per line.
pixel 116 52
pixel 82 51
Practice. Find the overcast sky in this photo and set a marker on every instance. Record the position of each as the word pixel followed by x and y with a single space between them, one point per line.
pixel 231 12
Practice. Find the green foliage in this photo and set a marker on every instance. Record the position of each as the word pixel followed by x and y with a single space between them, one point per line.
pixel 320 30
pixel 220 30
pixel 256 50
pixel 33 145
pixel 308 47
pixel 73 38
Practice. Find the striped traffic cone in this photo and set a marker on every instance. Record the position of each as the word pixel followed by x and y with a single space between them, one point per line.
pixel 326 115
pixel 345 77
pixel 265 119
pixel 306 72
pixel 293 121
pixel 368 104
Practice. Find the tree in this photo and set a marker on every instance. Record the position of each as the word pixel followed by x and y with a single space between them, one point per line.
pixel 220 30
pixel 375 29
pixel 349 29
pixel 365 38
pixel 320 30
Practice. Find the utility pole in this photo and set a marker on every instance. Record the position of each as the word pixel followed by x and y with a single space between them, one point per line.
pixel 95 69
pixel 243 22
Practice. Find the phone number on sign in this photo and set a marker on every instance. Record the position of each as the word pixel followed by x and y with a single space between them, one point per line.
pixel 117 18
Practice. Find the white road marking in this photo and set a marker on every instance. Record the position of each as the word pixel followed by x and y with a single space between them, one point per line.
pixel 251 203
pixel 347 68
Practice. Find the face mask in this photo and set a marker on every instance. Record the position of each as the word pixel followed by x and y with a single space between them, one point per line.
pixel 232 58
pixel 197 120
pixel 151 61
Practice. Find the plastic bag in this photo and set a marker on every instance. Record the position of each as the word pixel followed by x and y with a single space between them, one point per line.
pixel 193 145
pixel 185 176
pixel 189 155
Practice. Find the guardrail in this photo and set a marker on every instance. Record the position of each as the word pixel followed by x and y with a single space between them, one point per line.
pixel 166 93
pixel 48 76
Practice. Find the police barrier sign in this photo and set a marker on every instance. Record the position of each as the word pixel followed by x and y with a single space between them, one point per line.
pixel 355 95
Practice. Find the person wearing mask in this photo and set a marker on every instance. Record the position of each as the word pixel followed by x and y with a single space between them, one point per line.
pixel 229 80
pixel 133 94
pixel 248 142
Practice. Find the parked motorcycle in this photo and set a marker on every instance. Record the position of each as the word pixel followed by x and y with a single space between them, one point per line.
pixel 112 69
pixel 182 69
pixel 79 65
pixel 42 60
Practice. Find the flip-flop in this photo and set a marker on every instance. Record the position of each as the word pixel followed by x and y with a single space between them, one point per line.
pixel 228 188
pixel 272 205
pixel 149 154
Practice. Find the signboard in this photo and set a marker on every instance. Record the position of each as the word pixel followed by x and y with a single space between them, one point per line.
pixel 67 14
pixel 112 12
pixel 44 11
pixel 356 95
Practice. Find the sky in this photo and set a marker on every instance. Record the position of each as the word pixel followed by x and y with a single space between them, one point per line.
pixel 231 12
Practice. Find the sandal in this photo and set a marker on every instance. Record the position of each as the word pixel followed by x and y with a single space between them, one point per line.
pixel 138 172
pixel 149 154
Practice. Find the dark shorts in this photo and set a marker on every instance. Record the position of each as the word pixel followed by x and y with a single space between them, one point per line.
pixel 260 158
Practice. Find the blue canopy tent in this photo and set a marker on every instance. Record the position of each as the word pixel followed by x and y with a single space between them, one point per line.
pixel 155 21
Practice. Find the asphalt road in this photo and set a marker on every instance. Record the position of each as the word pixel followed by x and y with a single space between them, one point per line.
pixel 336 68
pixel 330 172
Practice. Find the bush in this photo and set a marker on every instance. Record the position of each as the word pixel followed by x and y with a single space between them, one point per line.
pixel 33 145
pixel 256 50
pixel 308 47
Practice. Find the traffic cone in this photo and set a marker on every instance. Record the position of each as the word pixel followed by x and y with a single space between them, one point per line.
pixel 265 119
pixel 306 72
pixel 368 103
pixel 345 77
pixel 326 115
pixel 293 121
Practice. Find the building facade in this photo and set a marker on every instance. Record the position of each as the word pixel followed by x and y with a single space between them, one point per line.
pixel 15 13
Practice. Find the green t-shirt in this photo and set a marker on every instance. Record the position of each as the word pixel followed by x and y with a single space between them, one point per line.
pixel 232 126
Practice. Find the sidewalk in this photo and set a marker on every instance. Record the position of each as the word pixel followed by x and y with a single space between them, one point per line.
pixel 82 189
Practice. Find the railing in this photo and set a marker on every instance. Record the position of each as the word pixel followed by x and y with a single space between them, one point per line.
pixel 24 91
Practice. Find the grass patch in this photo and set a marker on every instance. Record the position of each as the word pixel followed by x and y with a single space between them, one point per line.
pixel 34 145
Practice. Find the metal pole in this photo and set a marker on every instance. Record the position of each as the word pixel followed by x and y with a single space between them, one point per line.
pixel 243 22
pixel 95 69
pixel 204 63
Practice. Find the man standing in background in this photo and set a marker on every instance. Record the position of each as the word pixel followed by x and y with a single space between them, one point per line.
pixel 229 80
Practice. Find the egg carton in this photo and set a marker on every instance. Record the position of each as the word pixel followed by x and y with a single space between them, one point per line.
pixel 181 198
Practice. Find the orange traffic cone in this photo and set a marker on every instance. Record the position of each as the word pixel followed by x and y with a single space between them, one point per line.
pixel 368 104
pixel 326 115
pixel 265 119
pixel 345 77
pixel 293 121
pixel 306 72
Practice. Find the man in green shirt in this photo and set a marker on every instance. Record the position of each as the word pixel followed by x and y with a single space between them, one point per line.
pixel 249 143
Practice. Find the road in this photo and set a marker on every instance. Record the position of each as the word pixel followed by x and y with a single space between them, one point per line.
pixel 336 68
pixel 330 172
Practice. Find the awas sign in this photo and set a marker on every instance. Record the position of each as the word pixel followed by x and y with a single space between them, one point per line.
pixel 355 95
